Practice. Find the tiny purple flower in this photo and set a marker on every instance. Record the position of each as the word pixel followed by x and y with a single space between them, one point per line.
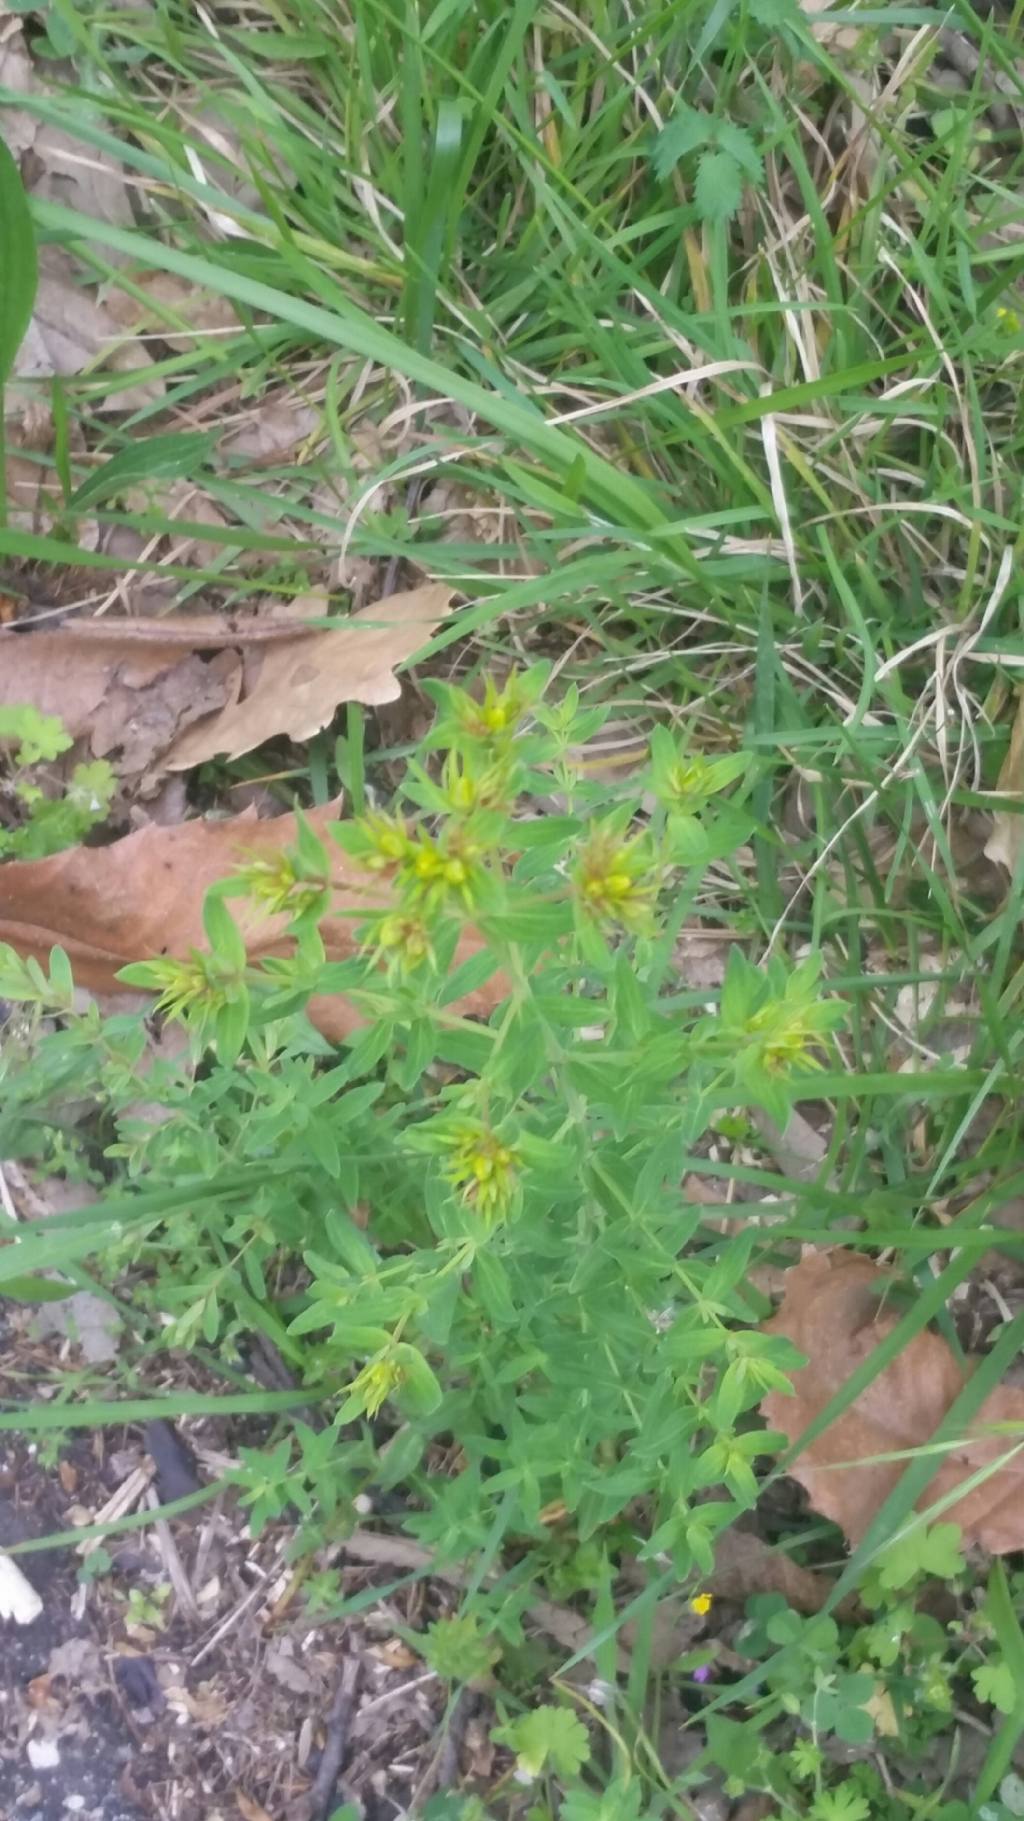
pixel 702 1673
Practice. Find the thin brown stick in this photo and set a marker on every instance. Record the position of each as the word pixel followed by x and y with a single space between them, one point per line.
pixel 320 1801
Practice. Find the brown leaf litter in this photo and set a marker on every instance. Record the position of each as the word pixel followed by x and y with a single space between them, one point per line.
pixel 294 689
pixel 835 1311
pixel 71 329
pixel 141 693
pixel 142 897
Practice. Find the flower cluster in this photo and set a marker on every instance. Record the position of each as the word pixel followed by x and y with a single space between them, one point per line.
pixel 484 1168
pixel 616 881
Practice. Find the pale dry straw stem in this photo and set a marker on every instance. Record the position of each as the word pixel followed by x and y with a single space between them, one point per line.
pixel 795 663
pixel 927 640
pixel 401 418
pixel 830 846
pixel 799 323
pixel 770 441
pixel 923 508
pixel 962 651
pixel 119 592
pixel 429 466
pixel 853 151
pixel 918 302
pixel 579 26
pixel 6 1198
pixel 687 376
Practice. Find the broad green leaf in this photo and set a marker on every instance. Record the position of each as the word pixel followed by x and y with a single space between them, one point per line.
pixel 151 458
pixel 995 1683
pixel 718 191
pixel 687 130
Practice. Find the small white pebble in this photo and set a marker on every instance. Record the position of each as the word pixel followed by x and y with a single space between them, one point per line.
pixel 600 1692
pixel 522 1775
pixel 362 1504
pixel 43 1754
pixel 74 1803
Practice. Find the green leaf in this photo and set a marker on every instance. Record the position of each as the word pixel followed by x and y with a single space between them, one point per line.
pixel 19 268
pixel 686 132
pixel 37 1290
pixel 229 1028
pixel 420 1393
pixel 619 1802
pixel 549 1738
pixel 739 144
pixel 225 938
pixel 152 458
pixel 40 737
pixel 935 1551
pixel 718 191
pixel 454 1808
pixel 842 1804
pixel 456 1650
pixel 994 1682
pixel 774 14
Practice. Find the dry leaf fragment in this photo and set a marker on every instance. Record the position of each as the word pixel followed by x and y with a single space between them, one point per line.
pixel 1007 838
pixel 249 1809
pixel 296 690
pixel 123 696
pixel 745 1564
pixel 272 429
pixel 70 330
pixel 837 1311
pixel 136 687
pixel 143 896
pixel 194 314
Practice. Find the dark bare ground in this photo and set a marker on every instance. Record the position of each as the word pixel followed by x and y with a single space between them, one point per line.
pixel 186 1680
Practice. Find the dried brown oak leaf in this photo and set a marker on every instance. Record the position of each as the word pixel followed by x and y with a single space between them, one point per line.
pixel 837 1310
pixel 127 697
pixel 296 686
pixel 140 693
pixel 143 896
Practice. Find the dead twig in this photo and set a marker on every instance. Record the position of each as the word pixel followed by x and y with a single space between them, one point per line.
pixel 317 1805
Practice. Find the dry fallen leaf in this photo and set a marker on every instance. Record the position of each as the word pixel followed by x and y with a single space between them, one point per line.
pixel 140 692
pixel 18 75
pixel 837 1310
pixel 271 429
pixel 71 330
pixel 249 1809
pixel 297 687
pixel 745 1564
pixel 1004 843
pixel 124 696
pixel 172 309
pixel 143 896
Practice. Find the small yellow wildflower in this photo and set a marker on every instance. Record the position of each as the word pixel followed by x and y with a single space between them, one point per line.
pixel 182 985
pixel 435 870
pixel 467 789
pixel 615 881
pixel 787 1033
pixel 389 842
pixel 276 885
pixel 1008 320
pixel 405 940
pixel 375 1383
pixel 484 1168
pixel 701 1604
pixel 499 712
